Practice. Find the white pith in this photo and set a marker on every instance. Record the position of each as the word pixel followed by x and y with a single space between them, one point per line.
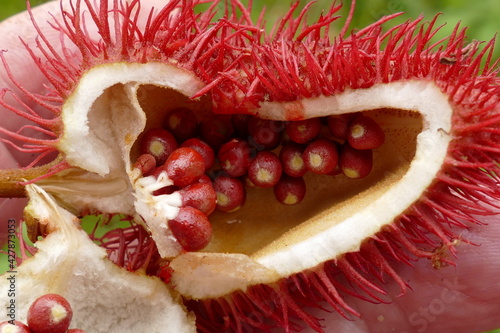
pixel 104 298
pixel 219 277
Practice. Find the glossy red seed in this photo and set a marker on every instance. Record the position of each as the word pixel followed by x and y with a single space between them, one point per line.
pixel 166 190
pixel 15 327
pixel 235 157
pixel 184 166
pixel 50 313
pixel 205 180
pixel 159 143
pixel 216 130
pixel 321 156
pixel 146 163
pixel 339 125
pixel 265 170
pixel 290 190
pixel 230 193
pixel 365 133
pixel 303 131
pixel 292 160
pixel 191 228
pixel 264 134
pixel 182 123
pixel 203 148
pixel 355 163
pixel 201 196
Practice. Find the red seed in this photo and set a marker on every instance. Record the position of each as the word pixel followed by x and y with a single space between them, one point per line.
pixel 205 180
pixel 15 327
pixel 339 125
pixel 184 166
pixel 182 123
pixel 159 143
pixel 191 228
pixel 216 130
pixel 264 134
pixel 365 133
pixel 292 160
pixel 303 131
pixel 201 196
pixel 166 190
pixel 235 157
pixel 50 313
pixel 230 193
pixel 290 190
pixel 240 124
pixel 265 170
pixel 355 163
pixel 321 156
pixel 146 163
pixel 203 148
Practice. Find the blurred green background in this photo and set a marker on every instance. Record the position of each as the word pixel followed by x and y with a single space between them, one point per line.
pixel 482 17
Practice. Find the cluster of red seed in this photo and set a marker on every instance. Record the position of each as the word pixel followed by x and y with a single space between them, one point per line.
pixel 50 313
pixel 210 161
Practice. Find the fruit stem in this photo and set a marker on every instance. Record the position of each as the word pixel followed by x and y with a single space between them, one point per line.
pixel 13 181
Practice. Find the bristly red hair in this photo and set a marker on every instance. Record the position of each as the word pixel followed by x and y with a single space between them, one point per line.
pixel 244 67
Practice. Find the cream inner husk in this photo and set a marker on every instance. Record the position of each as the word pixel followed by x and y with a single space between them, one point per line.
pixel 114 103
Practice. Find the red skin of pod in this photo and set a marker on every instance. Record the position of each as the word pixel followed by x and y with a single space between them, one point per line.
pixel 303 131
pixel 184 166
pixel 6 327
pixel 159 143
pixel 290 190
pixel 216 130
pixel 203 148
pixel 339 125
pixel 264 134
pixel 321 157
pixel 355 163
pixel 146 163
pixel 41 314
pixel 191 228
pixel 235 157
pixel 182 123
pixel 230 193
pixel 292 160
pixel 201 196
pixel 265 170
pixel 365 133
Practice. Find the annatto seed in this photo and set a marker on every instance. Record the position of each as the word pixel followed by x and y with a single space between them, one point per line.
pixel 230 193
pixel 201 196
pixel 303 131
pixel 290 190
pixel 203 148
pixel 355 163
pixel 159 143
pixel 191 228
pixel 184 166
pixel 235 157
pixel 339 125
pixel 321 156
pixel 216 130
pixel 50 313
pixel 15 327
pixel 292 160
pixel 365 133
pixel 182 123
pixel 265 170
pixel 264 134
pixel 146 163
